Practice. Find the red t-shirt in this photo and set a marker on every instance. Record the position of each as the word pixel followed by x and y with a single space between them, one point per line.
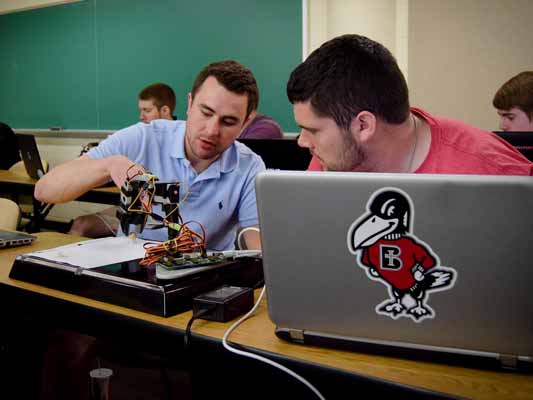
pixel 458 148
pixel 397 269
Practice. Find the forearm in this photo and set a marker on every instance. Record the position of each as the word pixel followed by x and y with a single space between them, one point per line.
pixel 70 180
pixel 252 238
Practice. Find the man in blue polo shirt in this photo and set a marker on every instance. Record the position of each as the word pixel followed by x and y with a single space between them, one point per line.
pixel 201 153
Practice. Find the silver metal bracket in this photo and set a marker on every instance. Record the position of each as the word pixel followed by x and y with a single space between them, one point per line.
pixel 297 335
pixel 509 361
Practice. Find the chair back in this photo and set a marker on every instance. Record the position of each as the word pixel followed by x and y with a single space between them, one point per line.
pixel 19 168
pixel 9 214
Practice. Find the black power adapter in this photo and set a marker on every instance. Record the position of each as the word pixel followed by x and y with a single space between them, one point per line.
pixel 223 304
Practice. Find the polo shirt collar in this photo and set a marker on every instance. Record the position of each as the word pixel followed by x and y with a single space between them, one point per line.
pixel 226 163
pixel 222 165
pixel 229 159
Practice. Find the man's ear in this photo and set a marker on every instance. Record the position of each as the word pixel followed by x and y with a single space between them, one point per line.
pixel 363 126
pixel 165 112
pixel 249 119
pixel 189 102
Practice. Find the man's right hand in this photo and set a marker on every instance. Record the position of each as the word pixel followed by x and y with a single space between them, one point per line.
pixel 120 168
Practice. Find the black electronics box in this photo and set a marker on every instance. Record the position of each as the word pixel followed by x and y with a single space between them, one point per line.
pixel 130 285
pixel 223 304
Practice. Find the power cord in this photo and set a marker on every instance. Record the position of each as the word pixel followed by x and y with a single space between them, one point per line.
pixel 187 337
pixel 225 343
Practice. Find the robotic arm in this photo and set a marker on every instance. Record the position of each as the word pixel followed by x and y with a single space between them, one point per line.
pixel 137 197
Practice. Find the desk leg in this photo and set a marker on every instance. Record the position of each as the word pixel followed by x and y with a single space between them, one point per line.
pixel 40 211
pixel 35 221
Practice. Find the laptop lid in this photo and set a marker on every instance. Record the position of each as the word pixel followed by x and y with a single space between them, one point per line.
pixel 522 141
pixel 280 153
pixel 30 155
pixel 424 261
pixel 12 238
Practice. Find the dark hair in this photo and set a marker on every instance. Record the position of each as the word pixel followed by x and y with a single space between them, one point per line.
pixel 9 148
pixel 234 77
pixel 160 94
pixel 516 92
pixel 350 74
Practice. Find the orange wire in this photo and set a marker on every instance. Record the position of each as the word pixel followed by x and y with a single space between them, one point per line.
pixel 187 241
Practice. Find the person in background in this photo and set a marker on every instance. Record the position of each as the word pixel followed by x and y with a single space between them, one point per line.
pixel 351 102
pixel 514 103
pixel 261 127
pixel 156 101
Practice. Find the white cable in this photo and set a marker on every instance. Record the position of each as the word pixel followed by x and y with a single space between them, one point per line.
pixel 261 358
pixel 239 236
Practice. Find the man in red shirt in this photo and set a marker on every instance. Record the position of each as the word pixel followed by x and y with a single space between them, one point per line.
pixel 351 101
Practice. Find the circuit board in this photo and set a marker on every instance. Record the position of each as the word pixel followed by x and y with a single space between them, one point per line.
pixel 197 259
pixel 191 260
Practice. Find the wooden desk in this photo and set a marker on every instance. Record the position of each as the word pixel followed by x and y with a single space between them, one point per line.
pixel 258 335
pixel 14 183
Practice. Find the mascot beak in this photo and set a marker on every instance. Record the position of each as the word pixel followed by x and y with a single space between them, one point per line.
pixel 370 230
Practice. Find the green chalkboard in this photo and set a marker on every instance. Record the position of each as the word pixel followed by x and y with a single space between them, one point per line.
pixel 81 65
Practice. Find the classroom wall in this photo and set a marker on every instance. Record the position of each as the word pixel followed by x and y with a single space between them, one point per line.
pixel 454 53
pixel 462 51
pixel 385 21
pixel 330 18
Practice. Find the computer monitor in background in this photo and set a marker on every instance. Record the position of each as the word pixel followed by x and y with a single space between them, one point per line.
pixel 280 153
pixel 522 141
pixel 30 155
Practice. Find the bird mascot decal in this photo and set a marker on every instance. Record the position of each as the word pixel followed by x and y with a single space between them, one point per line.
pixel 390 253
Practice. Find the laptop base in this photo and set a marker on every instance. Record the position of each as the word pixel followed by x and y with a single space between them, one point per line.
pixel 445 355
pixel 13 238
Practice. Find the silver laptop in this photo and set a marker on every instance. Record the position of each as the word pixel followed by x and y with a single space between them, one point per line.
pixel 12 238
pixel 437 263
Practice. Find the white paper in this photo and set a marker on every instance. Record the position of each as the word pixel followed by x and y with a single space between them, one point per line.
pixel 95 253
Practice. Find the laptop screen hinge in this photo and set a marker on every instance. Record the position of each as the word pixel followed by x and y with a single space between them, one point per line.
pixel 297 335
pixel 509 361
